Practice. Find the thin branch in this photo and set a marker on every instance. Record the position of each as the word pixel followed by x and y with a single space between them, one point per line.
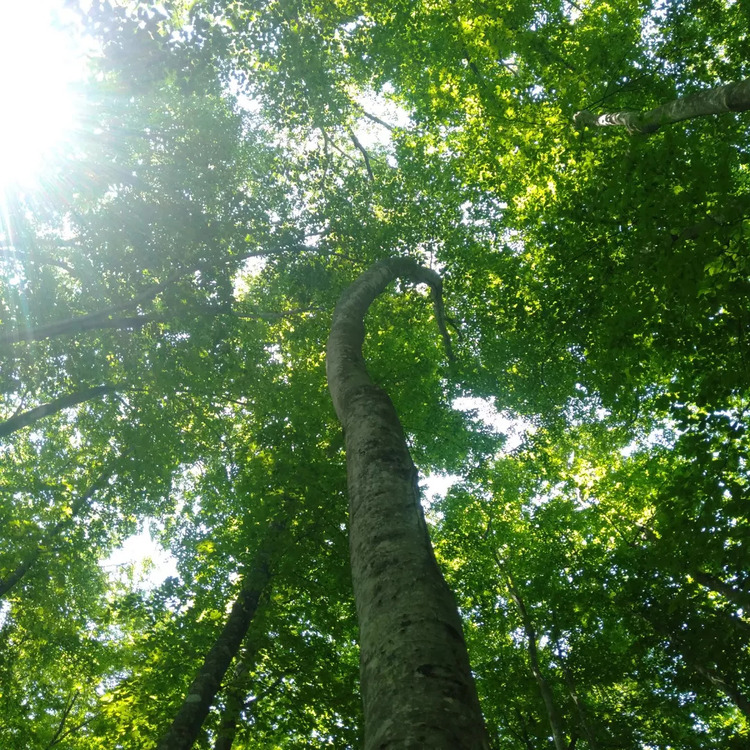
pixel 10 252
pixel 24 419
pixel 376 119
pixel 58 735
pixel 362 150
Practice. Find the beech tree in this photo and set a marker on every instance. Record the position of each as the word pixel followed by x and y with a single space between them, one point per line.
pixel 548 518
pixel 416 681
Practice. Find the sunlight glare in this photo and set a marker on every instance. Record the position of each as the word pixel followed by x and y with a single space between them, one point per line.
pixel 37 65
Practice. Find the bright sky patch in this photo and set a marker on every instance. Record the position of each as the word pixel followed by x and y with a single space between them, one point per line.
pixel 37 65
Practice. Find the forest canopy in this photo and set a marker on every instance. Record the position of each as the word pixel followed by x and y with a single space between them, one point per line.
pixel 557 312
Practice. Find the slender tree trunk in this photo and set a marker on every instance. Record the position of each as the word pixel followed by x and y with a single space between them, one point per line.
pixel 49 539
pixel 578 703
pixel 733 97
pixel 53 407
pixel 553 715
pixel 417 686
pixel 235 698
pixel 694 660
pixel 235 695
pixel 201 693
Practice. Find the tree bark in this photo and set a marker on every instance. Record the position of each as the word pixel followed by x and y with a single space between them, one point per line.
pixel 696 661
pixel 729 689
pixel 235 696
pixel 53 407
pixel 417 686
pixel 200 696
pixel 92 322
pixel 234 703
pixel 732 97
pixel 588 731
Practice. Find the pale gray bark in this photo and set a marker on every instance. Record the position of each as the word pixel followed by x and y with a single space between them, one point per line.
pixel 732 97
pixel 417 686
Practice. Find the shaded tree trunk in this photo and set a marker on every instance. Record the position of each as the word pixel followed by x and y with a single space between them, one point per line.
pixel 553 715
pixel 417 686
pixel 235 699
pixel 721 682
pixel 200 695
pixel 53 407
pixel 698 662
pixel 733 97
pixel 578 703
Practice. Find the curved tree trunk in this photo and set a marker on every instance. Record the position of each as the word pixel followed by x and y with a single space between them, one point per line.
pixel 733 97
pixel 417 686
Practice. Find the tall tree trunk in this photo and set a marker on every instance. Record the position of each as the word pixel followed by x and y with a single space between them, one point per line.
pixel 235 698
pixel 553 715
pixel 200 695
pixel 235 695
pixel 26 418
pixel 583 719
pixel 417 686
pixel 733 97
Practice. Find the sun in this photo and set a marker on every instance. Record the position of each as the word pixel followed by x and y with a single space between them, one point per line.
pixel 38 65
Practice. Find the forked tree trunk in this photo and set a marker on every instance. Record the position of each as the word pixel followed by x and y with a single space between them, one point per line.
pixel 417 686
pixel 733 97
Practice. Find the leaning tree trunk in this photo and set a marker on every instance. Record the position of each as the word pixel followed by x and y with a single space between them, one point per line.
pixel 417 686
pixel 733 97
pixel 200 696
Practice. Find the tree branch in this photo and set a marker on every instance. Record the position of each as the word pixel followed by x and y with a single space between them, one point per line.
pixel 26 418
pixel 732 97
